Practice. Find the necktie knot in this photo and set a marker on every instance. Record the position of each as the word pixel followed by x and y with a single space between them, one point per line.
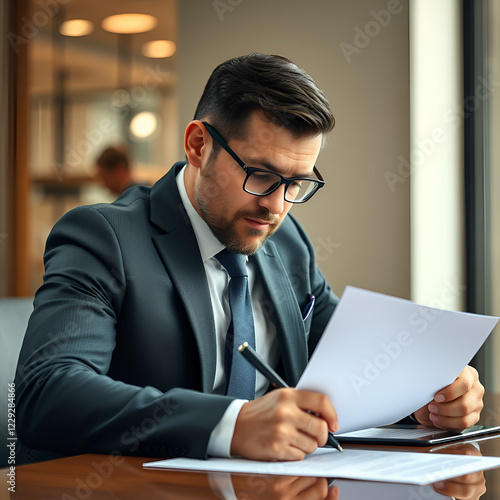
pixel 235 263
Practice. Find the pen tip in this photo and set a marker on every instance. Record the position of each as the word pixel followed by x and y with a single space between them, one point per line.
pixel 243 346
pixel 340 448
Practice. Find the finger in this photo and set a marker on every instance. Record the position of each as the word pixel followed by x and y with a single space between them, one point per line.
pixel 320 405
pixel 316 428
pixel 333 493
pixel 290 453
pixel 460 413
pixel 464 383
pixel 304 442
pixel 422 416
pixel 454 423
pixel 458 408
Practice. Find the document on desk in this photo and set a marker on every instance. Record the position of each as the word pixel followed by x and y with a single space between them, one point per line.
pixel 381 358
pixel 369 465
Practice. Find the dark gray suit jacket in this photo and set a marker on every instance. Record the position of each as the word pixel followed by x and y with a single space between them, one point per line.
pixel 119 355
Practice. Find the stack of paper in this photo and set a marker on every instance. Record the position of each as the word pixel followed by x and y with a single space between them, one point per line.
pixel 385 466
pixel 380 359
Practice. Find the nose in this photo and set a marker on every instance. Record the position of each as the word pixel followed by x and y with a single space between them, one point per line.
pixel 274 202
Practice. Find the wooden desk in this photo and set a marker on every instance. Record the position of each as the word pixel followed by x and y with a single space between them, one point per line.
pixel 109 477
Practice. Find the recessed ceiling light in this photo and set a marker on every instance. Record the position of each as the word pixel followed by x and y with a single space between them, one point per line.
pixel 129 23
pixel 76 27
pixel 159 48
pixel 144 125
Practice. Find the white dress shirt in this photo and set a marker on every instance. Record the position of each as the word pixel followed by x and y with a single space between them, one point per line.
pixel 265 331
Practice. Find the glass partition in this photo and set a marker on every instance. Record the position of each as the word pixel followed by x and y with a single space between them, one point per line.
pixel 96 81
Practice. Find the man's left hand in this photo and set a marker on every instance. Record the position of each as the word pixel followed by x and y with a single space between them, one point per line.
pixel 456 407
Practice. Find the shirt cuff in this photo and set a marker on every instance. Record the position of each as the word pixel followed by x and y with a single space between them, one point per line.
pixel 219 444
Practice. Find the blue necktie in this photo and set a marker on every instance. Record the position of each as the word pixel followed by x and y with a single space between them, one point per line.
pixel 240 375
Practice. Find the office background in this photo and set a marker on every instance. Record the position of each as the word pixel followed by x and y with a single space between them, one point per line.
pixel 396 215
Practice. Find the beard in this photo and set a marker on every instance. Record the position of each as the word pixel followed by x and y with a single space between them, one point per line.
pixel 211 203
pixel 226 232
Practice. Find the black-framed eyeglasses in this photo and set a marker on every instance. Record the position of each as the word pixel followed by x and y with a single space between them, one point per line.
pixel 260 182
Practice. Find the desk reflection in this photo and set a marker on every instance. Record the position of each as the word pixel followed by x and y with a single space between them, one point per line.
pixel 98 477
pixel 468 487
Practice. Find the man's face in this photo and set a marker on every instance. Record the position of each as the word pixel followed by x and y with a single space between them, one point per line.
pixel 242 221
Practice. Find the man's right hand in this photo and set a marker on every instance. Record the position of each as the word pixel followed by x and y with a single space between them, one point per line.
pixel 285 424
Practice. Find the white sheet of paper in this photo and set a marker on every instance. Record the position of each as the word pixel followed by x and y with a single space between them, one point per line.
pixel 381 358
pixel 369 465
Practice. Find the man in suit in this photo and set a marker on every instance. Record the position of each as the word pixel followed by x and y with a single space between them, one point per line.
pixel 125 351
pixel 113 169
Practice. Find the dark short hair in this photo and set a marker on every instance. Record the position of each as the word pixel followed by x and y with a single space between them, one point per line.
pixel 113 156
pixel 273 84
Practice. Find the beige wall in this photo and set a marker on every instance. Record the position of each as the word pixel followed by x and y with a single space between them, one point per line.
pixel 358 224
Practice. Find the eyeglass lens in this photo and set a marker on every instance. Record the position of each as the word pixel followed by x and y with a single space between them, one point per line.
pixel 263 183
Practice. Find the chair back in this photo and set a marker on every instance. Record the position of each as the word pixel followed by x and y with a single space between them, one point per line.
pixel 14 316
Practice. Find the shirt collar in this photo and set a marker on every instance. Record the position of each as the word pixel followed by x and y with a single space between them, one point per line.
pixel 207 241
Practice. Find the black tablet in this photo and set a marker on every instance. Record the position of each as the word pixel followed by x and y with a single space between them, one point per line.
pixel 411 435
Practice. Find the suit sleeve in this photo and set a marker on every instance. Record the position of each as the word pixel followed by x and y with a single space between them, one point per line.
pixel 66 403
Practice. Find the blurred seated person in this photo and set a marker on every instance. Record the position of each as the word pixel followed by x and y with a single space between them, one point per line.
pixel 113 169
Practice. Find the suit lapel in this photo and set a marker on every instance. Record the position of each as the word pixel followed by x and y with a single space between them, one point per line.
pixel 178 249
pixel 290 326
pixel 181 257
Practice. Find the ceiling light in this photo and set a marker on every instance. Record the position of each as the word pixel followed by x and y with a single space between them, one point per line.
pixel 76 27
pixel 144 125
pixel 129 23
pixel 159 48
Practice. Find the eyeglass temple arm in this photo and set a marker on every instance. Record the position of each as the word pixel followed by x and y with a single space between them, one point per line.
pixel 318 175
pixel 219 140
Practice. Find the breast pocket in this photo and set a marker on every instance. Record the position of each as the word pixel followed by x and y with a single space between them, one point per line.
pixel 307 312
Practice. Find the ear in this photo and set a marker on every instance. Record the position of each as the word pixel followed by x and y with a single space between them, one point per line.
pixel 196 143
